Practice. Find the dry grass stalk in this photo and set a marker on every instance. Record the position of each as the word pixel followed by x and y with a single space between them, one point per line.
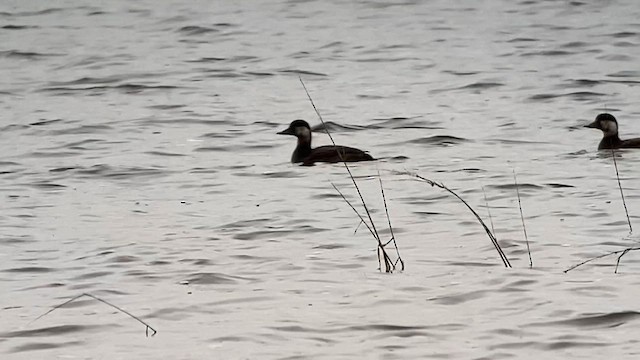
pixel 148 327
pixel 493 239
pixel 524 228
pixel 615 164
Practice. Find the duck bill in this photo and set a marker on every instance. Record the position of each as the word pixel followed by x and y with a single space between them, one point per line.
pixel 593 125
pixel 287 131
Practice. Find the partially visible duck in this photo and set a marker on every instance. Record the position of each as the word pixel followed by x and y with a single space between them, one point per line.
pixel 331 154
pixel 609 126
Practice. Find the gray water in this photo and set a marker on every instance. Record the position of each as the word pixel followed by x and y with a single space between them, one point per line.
pixel 141 165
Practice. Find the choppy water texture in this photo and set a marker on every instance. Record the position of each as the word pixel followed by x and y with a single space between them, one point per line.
pixel 140 164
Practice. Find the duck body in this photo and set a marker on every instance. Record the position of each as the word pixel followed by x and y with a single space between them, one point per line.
pixel 306 155
pixel 610 140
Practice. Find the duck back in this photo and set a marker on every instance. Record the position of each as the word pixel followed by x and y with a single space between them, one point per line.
pixel 334 154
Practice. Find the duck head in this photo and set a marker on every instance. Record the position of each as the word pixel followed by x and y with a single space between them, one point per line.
pixel 605 122
pixel 299 129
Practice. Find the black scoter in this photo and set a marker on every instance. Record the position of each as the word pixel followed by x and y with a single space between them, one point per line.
pixel 609 126
pixel 330 154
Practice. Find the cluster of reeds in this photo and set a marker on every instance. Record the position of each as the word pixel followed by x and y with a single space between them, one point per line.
pixel 390 265
pixel 383 257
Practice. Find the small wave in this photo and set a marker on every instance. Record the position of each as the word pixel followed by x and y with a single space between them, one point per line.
pixel 330 246
pixel 223 73
pixel 16 239
pixel 583 83
pixel 62 169
pixel 513 186
pixel 84 129
pixel 575 44
pixel 43 346
pixel 93 80
pixel 617 57
pixel 29 269
pixel 92 275
pixel 460 298
pixel 335 127
pixel 281 175
pixel 166 106
pixel 51 331
pixel 196 30
pixel 164 154
pixel 548 53
pixel 400 122
pixel 18 27
pixel 33 13
pixel 578 95
pixel 625 73
pixel 207 60
pixel 83 145
pixel 12 127
pixel 387 59
pixel 461 73
pixel 241 224
pixel 625 44
pixel 623 34
pixel 216 135
pixel 125 88
pixel 481 85
pixel 233 59
pixel 186 121
pixel 441 140
pixel 106 171
pixel 469 170
pixel 608 320
pixel 213 278
pixel 45 122
pixel 258 73
pixel 8 163
pixel 47 185
pixel 301 72
pixel 52 154
pixel 522 39
pixel 559 185
pixel 332 45
pixel 29 55
pixel 266 234
pixel 371 97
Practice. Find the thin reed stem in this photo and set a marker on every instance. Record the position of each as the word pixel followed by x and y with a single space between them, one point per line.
pixel 615 164
pixel 486 202
pixel 622 252
pixel 148 327
pixel 386 210
pixel 362 220
pixel 524 228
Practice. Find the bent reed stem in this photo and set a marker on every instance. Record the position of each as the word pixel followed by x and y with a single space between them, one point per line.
pixel 148 327
pixel 493 239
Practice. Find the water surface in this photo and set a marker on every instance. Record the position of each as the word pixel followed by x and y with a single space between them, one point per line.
pixel 140 164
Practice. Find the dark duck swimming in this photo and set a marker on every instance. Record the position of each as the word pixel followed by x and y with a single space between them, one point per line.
pixel 330 154
pixel 609 126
